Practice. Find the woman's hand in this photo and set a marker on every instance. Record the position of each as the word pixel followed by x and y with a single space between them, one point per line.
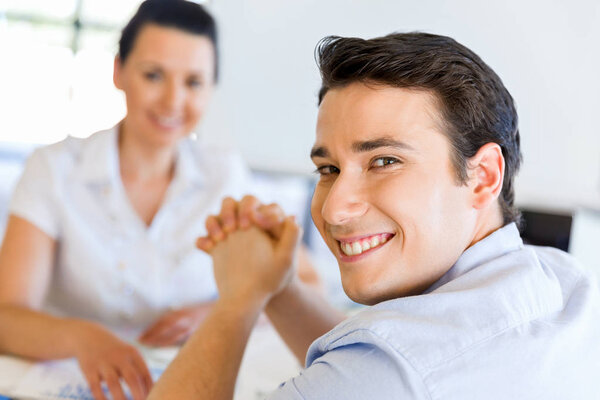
pixel 104 358
pixel 175 327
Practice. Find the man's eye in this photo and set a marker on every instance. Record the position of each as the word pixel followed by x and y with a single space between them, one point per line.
pixel 383 162
pixel 327 170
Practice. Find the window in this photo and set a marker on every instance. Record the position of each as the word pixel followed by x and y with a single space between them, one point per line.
pixel 56 70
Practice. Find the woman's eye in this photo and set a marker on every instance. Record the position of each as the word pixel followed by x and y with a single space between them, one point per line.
pixel 383 162
pixel 194 83
pixel 152 76
pixel 327 170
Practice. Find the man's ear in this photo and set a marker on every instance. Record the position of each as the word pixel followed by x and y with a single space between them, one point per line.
pixel 117 73
pixel 486 174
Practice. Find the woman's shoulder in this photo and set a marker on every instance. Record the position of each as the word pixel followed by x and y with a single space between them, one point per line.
pixel 213 158
pixel 71 152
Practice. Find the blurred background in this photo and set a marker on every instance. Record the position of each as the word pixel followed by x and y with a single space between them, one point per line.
pixel 56 80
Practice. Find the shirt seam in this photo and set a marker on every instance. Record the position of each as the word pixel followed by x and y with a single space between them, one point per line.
pixel 514 325
pixel 298 390
pixel 468 348
pixel 396 351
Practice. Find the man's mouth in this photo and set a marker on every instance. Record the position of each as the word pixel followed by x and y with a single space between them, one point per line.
pixel 358 246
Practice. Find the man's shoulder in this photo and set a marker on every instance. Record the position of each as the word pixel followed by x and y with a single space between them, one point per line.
pixel 484 306
pixel 425 330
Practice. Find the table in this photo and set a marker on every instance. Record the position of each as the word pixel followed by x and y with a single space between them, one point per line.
pixel 266 363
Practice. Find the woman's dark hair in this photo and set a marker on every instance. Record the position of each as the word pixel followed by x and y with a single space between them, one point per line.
pixel 475 106
pixel 180 14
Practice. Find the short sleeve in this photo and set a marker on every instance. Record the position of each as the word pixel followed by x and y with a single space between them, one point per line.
pixel 239 176
pixel 33 198
pixel 355 372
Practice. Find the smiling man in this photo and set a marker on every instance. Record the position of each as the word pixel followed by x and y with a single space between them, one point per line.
pixel 417 147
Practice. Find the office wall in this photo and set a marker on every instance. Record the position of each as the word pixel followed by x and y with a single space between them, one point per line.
pixel 546 52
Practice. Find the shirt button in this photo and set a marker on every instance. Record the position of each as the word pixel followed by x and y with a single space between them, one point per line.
pixel 126 289
pixel 125 316
pixel 122 266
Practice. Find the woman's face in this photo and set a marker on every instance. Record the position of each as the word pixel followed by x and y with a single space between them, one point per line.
pixel 168 79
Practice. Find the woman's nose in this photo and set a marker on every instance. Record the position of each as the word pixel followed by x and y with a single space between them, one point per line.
pixel 173 96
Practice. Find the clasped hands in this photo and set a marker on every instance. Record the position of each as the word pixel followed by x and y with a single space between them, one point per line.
pixel 253 247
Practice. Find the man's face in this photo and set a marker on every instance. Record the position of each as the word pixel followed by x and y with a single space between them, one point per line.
pixel 387 203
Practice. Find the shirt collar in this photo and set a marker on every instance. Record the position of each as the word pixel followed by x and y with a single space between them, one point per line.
pixel 99 162
pixel 187 170
pixel 498 243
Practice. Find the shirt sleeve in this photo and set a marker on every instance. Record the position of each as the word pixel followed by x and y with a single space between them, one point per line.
pixel 33 197
pixel 353 372
pixel 240 180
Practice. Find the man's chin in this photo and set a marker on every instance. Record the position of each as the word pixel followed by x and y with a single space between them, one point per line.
pixel 364 296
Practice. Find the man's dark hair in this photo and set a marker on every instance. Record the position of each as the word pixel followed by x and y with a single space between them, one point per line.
pixel 180 14
pixel 475 106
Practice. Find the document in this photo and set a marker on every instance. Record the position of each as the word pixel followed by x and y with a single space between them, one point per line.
pixel 267 362
pixel 62 379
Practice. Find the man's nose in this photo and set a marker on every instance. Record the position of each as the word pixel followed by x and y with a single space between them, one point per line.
pixel 345 201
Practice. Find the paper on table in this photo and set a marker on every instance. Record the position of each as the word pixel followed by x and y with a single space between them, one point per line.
pixel 62 379
pixel 11 371
pixel 267 362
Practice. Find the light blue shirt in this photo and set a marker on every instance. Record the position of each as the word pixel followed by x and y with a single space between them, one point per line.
pixel 507 321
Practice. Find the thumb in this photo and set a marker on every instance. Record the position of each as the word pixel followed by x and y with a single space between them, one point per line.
pixel 205 244
pixel 270 219
pixel 288 241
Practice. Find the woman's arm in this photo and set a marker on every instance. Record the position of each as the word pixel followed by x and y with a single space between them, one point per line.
pixel 26 266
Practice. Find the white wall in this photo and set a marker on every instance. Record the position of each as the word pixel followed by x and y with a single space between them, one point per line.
pixel 546 52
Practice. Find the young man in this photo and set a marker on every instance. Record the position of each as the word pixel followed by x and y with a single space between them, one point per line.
pixel 417 147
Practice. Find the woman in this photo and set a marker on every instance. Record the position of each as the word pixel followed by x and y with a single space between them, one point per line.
pixel 101 232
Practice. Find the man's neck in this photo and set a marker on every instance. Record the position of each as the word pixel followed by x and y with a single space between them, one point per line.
pixel 488 222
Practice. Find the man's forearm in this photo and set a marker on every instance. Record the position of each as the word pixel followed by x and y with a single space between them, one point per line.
pixel 301 314
pixel 208 364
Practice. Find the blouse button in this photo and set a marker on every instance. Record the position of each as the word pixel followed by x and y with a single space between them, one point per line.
pixel 125 316
pixel 126 289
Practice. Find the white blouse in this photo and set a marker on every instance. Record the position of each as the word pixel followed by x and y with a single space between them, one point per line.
pixel 111 267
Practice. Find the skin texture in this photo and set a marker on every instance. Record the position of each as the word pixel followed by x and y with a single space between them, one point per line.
pixel 385 169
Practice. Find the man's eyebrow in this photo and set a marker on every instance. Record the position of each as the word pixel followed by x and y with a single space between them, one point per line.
pixel 319 151
pixel 368 145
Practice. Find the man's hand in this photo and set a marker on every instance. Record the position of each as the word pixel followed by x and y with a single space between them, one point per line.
pixel 103 358
pixel 174 327
pixel 241 215
pixel 250 266
pixel 253 248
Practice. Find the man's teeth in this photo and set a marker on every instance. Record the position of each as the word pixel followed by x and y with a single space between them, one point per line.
pixel 360 246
